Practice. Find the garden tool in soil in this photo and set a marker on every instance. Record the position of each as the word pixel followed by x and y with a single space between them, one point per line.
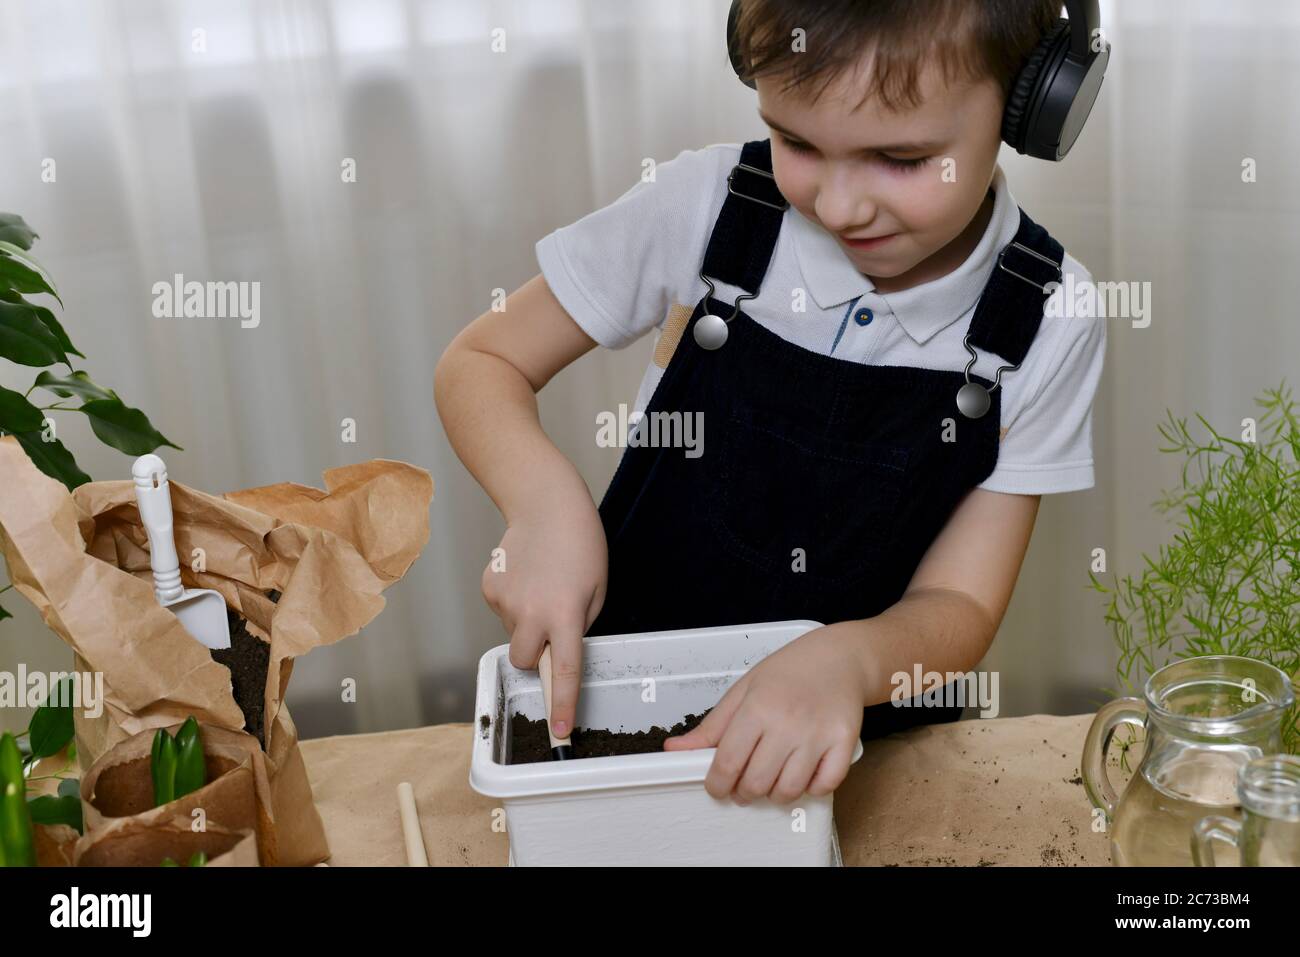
pixel 201 610
pixel 561 748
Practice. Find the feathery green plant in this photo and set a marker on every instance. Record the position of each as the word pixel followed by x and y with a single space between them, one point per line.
pixel 1229 582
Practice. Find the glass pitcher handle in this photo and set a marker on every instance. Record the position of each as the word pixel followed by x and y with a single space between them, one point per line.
pixel 1204 833
pixel 1111 715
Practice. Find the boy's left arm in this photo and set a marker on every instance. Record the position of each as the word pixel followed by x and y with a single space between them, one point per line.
pixel 790 724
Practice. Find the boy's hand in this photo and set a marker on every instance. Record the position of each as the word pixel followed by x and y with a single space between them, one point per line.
pixel 553 586
pixel 790 724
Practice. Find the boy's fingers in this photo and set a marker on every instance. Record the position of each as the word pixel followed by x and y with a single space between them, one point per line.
pixel 566 673
pixel 526 641
pixel 764 767
pixel 798 771
pixel 734 752
pixel 832 770
pixel 709 732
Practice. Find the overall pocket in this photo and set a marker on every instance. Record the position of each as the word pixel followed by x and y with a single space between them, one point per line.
pixel 778 490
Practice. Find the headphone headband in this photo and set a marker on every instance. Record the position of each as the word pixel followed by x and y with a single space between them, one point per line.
pixel 1085 20
pixel 1052 95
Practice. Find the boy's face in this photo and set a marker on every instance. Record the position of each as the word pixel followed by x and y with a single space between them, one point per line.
pixel 918 176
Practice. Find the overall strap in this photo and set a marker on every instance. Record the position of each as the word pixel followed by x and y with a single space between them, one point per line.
pixel 744 236
pixel 1010 309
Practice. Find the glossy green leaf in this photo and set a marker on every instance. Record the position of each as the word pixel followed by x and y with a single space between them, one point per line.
pixel 49 810
pixel 163 768
pixel 4 614
pixel 47 317
pixel 125 429
pixel 11 762
pixel 14 230
pixel 16 828
pixel 191 770
pixel 20 271
pixel 52 724
pixel 25 339
pixel 17 414
pixel 76 383
pixel 52 458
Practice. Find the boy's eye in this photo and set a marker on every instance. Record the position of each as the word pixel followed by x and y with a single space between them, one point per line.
pixel 903 164
pixel 894 162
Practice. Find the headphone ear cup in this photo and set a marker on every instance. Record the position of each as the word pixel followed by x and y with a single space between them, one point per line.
pixel 1015 116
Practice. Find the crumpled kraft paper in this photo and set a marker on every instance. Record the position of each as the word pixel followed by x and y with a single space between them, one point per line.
pixel 82 559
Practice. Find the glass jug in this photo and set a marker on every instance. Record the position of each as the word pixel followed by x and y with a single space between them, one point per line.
pixel 1204 718
pixel 1269 833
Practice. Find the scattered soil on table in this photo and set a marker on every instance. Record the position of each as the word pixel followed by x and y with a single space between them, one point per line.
pixel 248 659
pixel 529 742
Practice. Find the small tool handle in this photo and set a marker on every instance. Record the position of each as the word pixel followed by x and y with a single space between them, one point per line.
pixel 544 669
pixel 412 836
pixel 154 496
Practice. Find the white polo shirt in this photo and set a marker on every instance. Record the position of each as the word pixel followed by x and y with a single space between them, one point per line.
pixel 620 269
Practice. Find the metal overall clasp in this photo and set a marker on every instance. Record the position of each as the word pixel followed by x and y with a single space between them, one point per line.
pixel 711 330
pixel 973 400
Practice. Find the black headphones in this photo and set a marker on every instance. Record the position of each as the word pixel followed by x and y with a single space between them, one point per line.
pixel 1053 94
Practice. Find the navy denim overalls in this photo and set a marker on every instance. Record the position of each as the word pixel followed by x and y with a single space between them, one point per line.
pixel 858 465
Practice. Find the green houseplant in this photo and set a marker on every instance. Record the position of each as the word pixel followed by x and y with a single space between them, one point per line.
pixel 1229 581
pixel 49 733
pixel 31 336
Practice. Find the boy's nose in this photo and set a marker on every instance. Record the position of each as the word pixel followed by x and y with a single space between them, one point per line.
pixel 844 208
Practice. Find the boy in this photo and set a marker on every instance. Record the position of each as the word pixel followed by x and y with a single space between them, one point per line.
pixel 853 274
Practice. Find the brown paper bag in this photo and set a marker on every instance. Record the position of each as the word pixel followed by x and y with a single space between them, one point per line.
pixel 82 559
pixel 140 844
pixel 117 790
pixel 54 844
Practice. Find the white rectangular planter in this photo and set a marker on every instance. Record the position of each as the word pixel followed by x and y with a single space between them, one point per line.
pixel 640 809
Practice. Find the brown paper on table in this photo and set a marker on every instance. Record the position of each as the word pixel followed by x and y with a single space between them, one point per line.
pixel 137 844
pixel 83 560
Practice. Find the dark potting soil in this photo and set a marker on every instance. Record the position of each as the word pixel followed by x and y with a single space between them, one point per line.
pixel 529 742
pixel 248 659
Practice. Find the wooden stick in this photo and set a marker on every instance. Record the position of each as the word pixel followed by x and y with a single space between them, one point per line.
pixel 415 856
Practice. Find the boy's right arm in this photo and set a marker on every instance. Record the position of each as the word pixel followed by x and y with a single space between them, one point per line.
pixel 556 559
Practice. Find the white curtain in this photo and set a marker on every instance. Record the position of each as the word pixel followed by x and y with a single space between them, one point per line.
pixel 209 138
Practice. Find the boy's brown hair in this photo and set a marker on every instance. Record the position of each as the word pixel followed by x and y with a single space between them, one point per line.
pixel 971 39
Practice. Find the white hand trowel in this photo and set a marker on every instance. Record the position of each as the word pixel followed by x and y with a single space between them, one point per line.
pixel 201 610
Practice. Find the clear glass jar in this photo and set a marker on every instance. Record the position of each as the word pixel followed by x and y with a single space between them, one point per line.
pixel 1268 835
pixel 1204 719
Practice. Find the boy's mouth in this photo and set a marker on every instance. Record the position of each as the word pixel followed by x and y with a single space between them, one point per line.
pixel 868 242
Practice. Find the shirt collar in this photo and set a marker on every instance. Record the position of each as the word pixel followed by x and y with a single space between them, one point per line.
pixel 922 310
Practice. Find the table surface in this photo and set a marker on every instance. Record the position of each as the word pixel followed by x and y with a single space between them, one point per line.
pixel 975 792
